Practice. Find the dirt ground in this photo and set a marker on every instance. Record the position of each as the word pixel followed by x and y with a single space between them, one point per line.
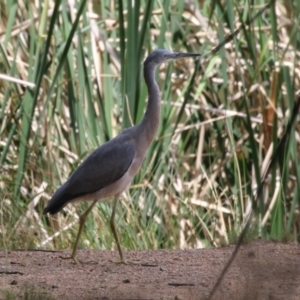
pixel 262 270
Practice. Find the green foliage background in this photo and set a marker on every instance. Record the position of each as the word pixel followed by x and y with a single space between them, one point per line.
pixel 222 116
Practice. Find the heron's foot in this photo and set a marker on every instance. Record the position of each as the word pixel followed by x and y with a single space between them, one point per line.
pixel 125 262
pixel 79 261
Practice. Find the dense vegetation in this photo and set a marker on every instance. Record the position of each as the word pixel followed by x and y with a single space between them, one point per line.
pixel 71 79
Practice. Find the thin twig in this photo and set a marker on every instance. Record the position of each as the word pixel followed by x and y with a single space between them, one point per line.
pixel 280 148
pixel 243 26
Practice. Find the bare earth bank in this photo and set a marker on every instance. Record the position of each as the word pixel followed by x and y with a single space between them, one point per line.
pixel 262 270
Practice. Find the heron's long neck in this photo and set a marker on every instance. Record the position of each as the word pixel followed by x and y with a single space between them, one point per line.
pixel 150 122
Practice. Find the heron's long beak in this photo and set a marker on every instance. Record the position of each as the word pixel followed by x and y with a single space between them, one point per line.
pixel 178 55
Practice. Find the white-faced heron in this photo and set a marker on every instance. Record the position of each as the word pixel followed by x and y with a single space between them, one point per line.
pixel 109 170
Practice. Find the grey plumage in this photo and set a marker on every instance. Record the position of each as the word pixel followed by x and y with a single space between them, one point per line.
pixel 109 170
pixel 101 168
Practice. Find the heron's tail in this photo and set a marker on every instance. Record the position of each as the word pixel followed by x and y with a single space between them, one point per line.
pixel 59 200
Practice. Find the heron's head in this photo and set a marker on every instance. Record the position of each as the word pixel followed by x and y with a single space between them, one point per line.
pixel 160 56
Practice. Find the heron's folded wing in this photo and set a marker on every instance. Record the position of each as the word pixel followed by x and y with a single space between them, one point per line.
pixel 101 168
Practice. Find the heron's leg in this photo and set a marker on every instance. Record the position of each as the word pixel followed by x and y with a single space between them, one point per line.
pixel 116 236
pixel 82 220
pixel 114 229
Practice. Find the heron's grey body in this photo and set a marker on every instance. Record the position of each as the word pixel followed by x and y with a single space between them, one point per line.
pixel 109 170
pixel 103 174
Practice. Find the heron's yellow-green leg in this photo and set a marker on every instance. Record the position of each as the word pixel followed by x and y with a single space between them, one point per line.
pixel 82 220
pixel 116 236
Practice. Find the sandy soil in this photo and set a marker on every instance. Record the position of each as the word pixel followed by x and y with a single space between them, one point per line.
pixel 262 270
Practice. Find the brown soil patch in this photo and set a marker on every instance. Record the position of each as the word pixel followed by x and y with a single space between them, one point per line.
pixel 262 270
